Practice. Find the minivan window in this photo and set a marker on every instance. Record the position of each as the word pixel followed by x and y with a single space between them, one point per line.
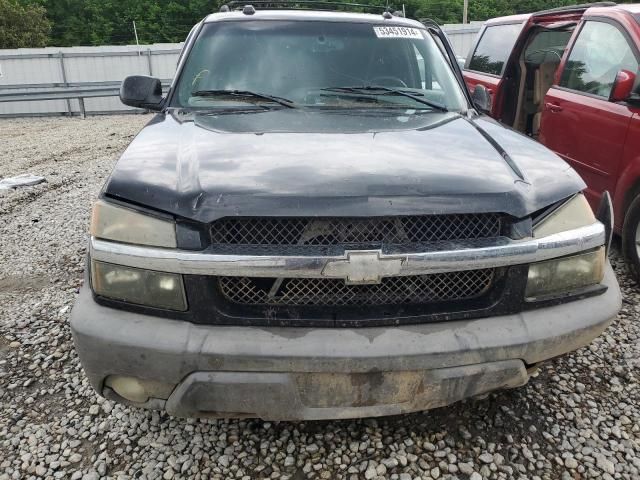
pixel 314 64
pixel 599 53
pixel 494 47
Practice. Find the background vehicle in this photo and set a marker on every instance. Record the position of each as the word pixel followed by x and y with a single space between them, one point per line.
pixel 569 78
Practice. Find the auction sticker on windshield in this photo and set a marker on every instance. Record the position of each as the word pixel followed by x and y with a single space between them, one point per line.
pixel 397 32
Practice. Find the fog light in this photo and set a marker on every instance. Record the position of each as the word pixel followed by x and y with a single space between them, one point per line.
pixel 135 285
pixel 563 275
pixel 129 388
pixel 138 390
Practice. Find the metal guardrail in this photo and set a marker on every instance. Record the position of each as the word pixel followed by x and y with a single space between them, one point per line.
pixel 99 53
pixel 79 91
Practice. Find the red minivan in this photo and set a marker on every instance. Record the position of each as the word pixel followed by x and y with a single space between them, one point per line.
pixel 568 77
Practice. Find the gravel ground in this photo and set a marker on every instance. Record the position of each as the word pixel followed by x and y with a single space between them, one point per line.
pixel 579 418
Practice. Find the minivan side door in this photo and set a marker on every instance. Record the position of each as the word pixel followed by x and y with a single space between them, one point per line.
pixel 487 62
pixel 579 122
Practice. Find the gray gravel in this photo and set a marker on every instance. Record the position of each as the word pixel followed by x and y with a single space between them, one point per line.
pixel 579 418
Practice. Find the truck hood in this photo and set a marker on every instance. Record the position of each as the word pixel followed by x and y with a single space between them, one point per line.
pixel 299 163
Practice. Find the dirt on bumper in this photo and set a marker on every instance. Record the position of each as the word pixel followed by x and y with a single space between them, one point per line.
pixel 324 396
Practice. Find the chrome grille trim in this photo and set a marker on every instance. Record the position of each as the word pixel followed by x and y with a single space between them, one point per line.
pixel 438 258
pixel 391 230
pixel 408 290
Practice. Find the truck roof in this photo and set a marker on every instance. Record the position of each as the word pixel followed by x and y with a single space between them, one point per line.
pixel 313 15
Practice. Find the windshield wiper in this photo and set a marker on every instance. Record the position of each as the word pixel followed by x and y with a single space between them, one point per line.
pixel 374 90
pixel 244 94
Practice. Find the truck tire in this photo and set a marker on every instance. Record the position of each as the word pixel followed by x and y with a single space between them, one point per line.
pixel 631 238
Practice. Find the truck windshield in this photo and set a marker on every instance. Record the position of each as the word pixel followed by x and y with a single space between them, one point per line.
pixel 284 64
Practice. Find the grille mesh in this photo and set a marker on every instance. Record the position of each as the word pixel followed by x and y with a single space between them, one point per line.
pixel 343 230
pixel 418 289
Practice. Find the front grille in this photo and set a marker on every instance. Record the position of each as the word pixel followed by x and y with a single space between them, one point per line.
pixel 352 230
pixel 407 290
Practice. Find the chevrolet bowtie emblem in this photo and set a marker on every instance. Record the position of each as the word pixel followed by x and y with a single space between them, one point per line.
pixel 363 267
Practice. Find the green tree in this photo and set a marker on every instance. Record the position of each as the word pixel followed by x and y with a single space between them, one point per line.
pixel 23 26
pixel 101 22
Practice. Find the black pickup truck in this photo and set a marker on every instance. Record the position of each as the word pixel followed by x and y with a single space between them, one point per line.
pixel 317 223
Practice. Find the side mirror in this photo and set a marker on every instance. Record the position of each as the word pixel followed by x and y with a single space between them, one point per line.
pixel 482 98
pixel 622 86
pixel 142 92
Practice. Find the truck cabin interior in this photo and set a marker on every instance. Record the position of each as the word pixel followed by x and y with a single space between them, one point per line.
pixel 530 77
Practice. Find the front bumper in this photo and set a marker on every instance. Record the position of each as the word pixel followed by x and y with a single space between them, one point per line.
pixel 284 373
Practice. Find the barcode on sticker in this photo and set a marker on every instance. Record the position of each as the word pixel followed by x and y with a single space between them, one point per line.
pixel 397 32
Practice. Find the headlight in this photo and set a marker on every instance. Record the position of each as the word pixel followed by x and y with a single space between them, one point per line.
pixel 575 213
pixel 135 285
pixel 111 222
pixel 566 274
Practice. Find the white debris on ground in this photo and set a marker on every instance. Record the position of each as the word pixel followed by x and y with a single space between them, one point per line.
pixel 578 419
pixel 22 180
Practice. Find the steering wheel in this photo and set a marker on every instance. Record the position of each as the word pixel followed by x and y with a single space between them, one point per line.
pixel 388 81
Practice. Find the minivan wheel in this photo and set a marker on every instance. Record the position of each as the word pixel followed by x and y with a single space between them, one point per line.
pixel 631 238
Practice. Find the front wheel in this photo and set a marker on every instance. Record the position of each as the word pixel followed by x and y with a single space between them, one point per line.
pixel 631 238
